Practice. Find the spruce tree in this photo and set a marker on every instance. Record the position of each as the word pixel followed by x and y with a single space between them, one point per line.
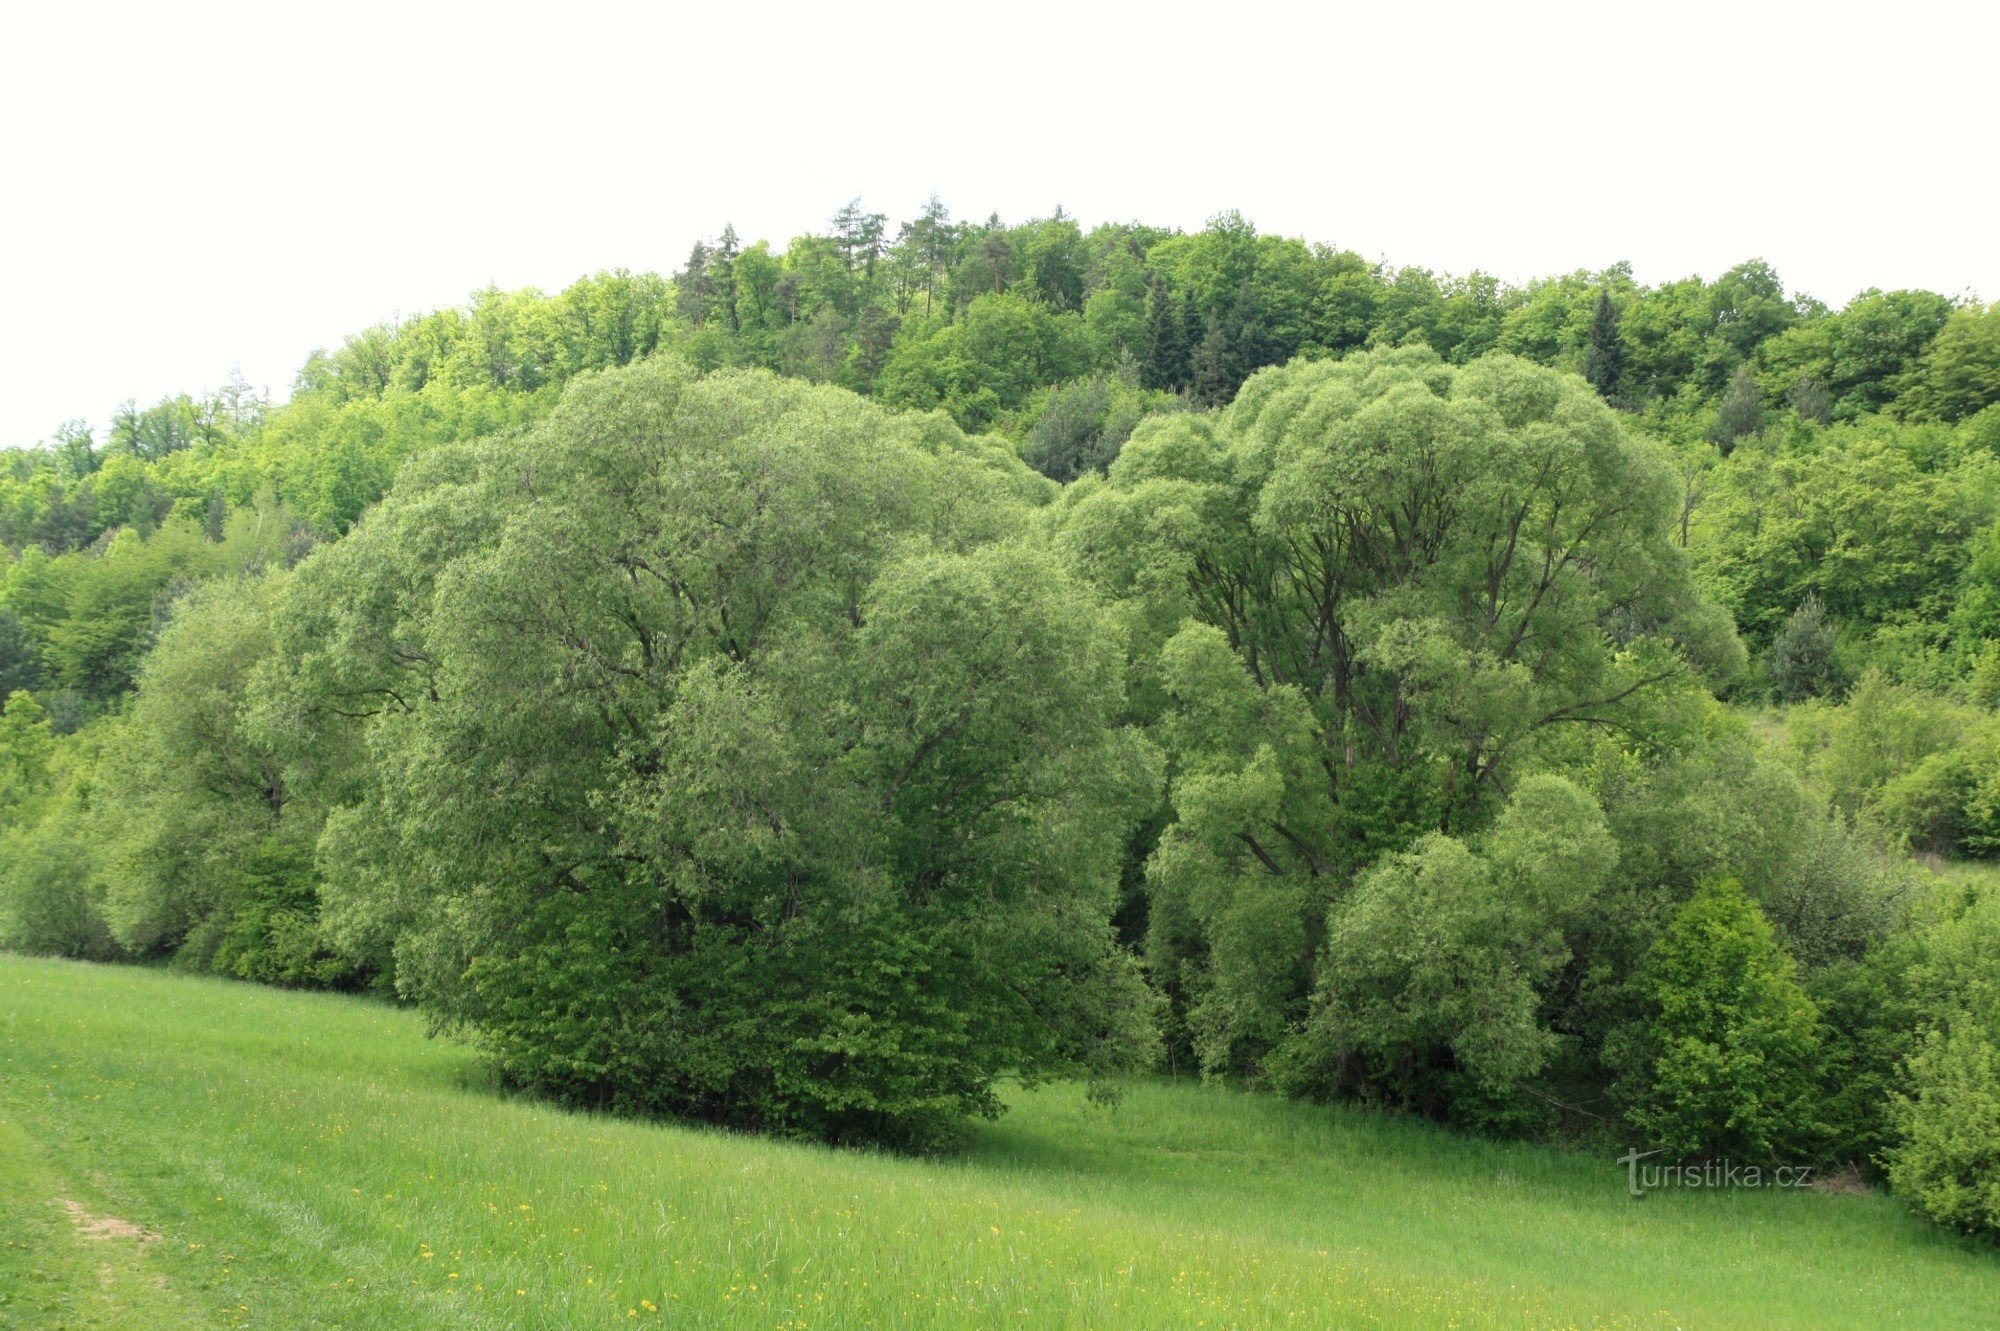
pixel 692 284
pixel 1740 412
pixel 1212 372
pixel 726 250
pixel 1250 343
pixel 1803 664
pixel 1604 354
pixel 1163 359
pixel 1194 327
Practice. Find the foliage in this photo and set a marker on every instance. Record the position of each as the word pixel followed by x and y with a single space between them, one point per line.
pixel 1432 979
pixel 1803 656
pixel 47 904
pixel 1724 1064
pixel 1385 559
pixel 802 801
pixel 1604 353
pixel 1960 373
pixel 1921 770
pixel 1355 657
pixel 1740 411
pixel 1947 1163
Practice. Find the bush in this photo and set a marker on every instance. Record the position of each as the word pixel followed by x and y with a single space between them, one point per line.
pixel 47 906
pixel 1431 984
pixel 1726 1058
pixel 1948 1163
pixel 270 930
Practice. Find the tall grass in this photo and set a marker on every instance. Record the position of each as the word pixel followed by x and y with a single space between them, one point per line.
pixel 312 1161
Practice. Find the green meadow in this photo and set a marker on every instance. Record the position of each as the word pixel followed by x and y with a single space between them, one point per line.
pixel 191 1152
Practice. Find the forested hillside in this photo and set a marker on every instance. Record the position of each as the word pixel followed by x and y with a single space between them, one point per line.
pixel 805 690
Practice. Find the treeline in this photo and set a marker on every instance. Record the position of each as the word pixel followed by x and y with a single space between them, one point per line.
pixel 1063 339
pixel 1209 652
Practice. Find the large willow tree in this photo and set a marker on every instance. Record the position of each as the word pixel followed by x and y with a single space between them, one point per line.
pixel 1359 599
pixel 729 757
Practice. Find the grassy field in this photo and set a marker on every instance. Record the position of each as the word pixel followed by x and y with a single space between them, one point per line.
pixel 179 1152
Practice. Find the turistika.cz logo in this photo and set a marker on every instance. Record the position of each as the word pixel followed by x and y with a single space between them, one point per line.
pixel 1708 1174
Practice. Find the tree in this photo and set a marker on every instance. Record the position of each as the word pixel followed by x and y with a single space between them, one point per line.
pixel 76 450
pixel 803 795
pixel 859 236
pixel 727 248
pixel 1861 357
pixel 1164 358
pixel 692 284
pixel 1729 1047
pixel 924 248
pixel 1604 352
pixel 1082 427
pixel 1433 981
pixel 1947 1161
pixel 1740 411
pixel 47 905
pixel 1356 599
pixel 1212 377
pixel 1960 375
pixel 210 857
pixel 1803 663
pixel 20 657
pixel 987 362
pixel 25 746
pixel 1810 400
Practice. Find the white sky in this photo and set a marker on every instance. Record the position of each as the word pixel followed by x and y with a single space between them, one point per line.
pixel 186 188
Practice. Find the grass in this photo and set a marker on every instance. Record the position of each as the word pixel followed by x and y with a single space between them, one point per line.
pixel 311 1161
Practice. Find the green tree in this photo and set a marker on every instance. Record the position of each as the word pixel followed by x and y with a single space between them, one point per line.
pixel 1947 1161
pixel 1803 662
pixel 1728 1051
pixel 207 855
pixel 802 800
pixel 1356 599
pixel 1604 351
pixel 1740 411
pixel 987 362
pixel 25 747
pixel 1433 981
pixel 1164 358
pixel 20 655
pixel 1960 374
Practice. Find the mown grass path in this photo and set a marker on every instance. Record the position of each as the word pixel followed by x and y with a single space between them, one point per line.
pixel 300 1161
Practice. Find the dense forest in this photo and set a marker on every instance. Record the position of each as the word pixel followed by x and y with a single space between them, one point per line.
pixel 803 690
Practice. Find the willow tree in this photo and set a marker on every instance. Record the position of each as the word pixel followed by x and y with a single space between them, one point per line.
pixel 729 759
pixel 1358 599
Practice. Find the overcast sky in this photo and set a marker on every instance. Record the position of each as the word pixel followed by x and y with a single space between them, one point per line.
pixel 190 188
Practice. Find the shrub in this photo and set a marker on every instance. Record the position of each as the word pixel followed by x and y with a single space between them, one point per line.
pixel 1727 1054
pixel 1431 984
pixel 46 902
pixel 270 930
pixel 1948 1163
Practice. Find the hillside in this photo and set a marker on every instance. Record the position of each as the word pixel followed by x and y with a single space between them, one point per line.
pixel 301 1160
